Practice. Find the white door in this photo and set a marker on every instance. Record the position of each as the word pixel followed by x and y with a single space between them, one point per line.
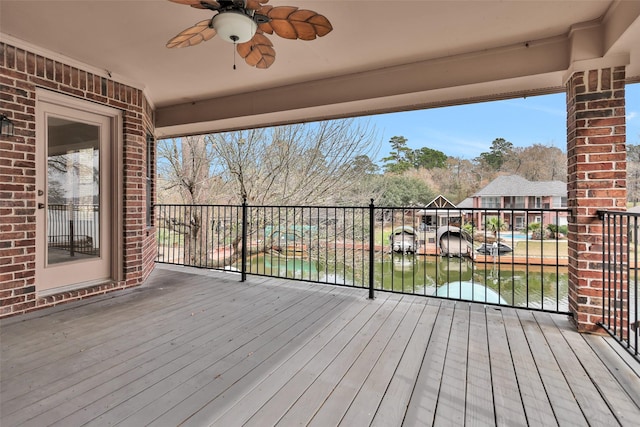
pixel 73 185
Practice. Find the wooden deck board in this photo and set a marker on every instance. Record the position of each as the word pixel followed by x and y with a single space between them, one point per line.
pixel 330 395
pixel 137 359
pixel 264 352
pixel 107 387
pixel 72 324
pixel 130 309
pixel 612 392
pixel 100 355
pixel 318 378
pixel 304 366
pixel 196 348
pixel 594 408
pixel 452 396
pixel 627 374
pixel 424 399
pixel 369 376
pixel 566 411
pixel 393 407
pixel 163 386
pixel 230 405
pixel 508 404
pixel 532 394
pixel 378 383
pixel 479 408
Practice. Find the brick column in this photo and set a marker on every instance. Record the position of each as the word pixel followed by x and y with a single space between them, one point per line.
pixel 596 155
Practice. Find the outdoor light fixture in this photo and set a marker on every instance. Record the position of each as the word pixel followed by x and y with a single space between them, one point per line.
pixel 234 26
pixel 7 126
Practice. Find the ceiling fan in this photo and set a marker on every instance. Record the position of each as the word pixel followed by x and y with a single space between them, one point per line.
pixel 245 23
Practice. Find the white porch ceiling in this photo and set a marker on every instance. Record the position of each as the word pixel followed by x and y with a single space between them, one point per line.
pixel 381 56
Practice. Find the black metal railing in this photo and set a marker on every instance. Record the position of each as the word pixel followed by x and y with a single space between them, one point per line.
pixel 620 297
pixel 73 228
pixel 514 257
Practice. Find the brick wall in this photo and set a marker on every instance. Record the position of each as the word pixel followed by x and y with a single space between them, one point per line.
pixel 21 72
pixel 596 155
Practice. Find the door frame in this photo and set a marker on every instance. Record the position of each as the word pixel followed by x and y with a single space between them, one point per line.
pixel 115 208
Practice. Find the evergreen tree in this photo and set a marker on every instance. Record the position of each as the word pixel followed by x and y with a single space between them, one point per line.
pixel 398 160
pixel 500 150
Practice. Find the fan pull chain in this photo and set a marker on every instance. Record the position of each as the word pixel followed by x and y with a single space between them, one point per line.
pixel 235 49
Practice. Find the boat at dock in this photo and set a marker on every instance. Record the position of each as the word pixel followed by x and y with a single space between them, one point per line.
pixel 453 241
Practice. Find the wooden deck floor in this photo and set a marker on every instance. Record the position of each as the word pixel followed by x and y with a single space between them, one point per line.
pixel 199 348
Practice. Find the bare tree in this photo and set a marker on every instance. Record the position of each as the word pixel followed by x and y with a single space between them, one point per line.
pixel 296 164
pixel 458 180
pixel 318 163
pixel 303 164
pixel 633 173
pixel 538 162
pixel 185 170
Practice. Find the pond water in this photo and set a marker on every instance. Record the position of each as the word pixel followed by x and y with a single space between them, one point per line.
pixel 534 286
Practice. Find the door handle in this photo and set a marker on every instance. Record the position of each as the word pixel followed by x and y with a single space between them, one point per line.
pixel 41 205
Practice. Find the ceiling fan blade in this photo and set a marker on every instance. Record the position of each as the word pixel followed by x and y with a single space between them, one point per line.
pixel 321 24
pixel 290 22
pixel 255 4
pixel 257 52
pixel 193 35
pixel 210 4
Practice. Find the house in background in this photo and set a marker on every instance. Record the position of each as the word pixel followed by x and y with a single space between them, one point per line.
pixel 525 202
pixel 438 212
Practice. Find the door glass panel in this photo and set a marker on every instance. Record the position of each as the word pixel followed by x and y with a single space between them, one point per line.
pixel 73 190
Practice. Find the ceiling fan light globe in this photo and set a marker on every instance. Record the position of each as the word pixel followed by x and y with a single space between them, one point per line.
pixel 234 27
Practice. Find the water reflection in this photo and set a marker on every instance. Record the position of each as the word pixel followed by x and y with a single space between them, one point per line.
pixel 542 287
pixel 533 286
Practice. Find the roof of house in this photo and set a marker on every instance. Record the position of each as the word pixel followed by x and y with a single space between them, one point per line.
pixel 515 185
pixel 466 203
pixel 440 202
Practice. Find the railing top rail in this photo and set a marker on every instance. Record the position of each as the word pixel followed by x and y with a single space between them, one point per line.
pixel 310 206
pixel 275 206
pixel 489 209
pixel 159 205
pixel 414 208
pixel 602 213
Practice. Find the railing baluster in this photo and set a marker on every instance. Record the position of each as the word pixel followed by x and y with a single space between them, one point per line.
pixel 542 228
pixel 636 297
pixel 614 273
pixel 371 249
pixel 243 267
pixel 619 297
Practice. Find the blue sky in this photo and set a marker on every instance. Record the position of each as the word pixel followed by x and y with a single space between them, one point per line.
pixel 468 130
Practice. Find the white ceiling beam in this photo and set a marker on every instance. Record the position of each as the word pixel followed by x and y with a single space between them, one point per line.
pixel 529 58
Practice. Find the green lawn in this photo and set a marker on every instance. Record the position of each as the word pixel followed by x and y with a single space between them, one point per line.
pixel 548 248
